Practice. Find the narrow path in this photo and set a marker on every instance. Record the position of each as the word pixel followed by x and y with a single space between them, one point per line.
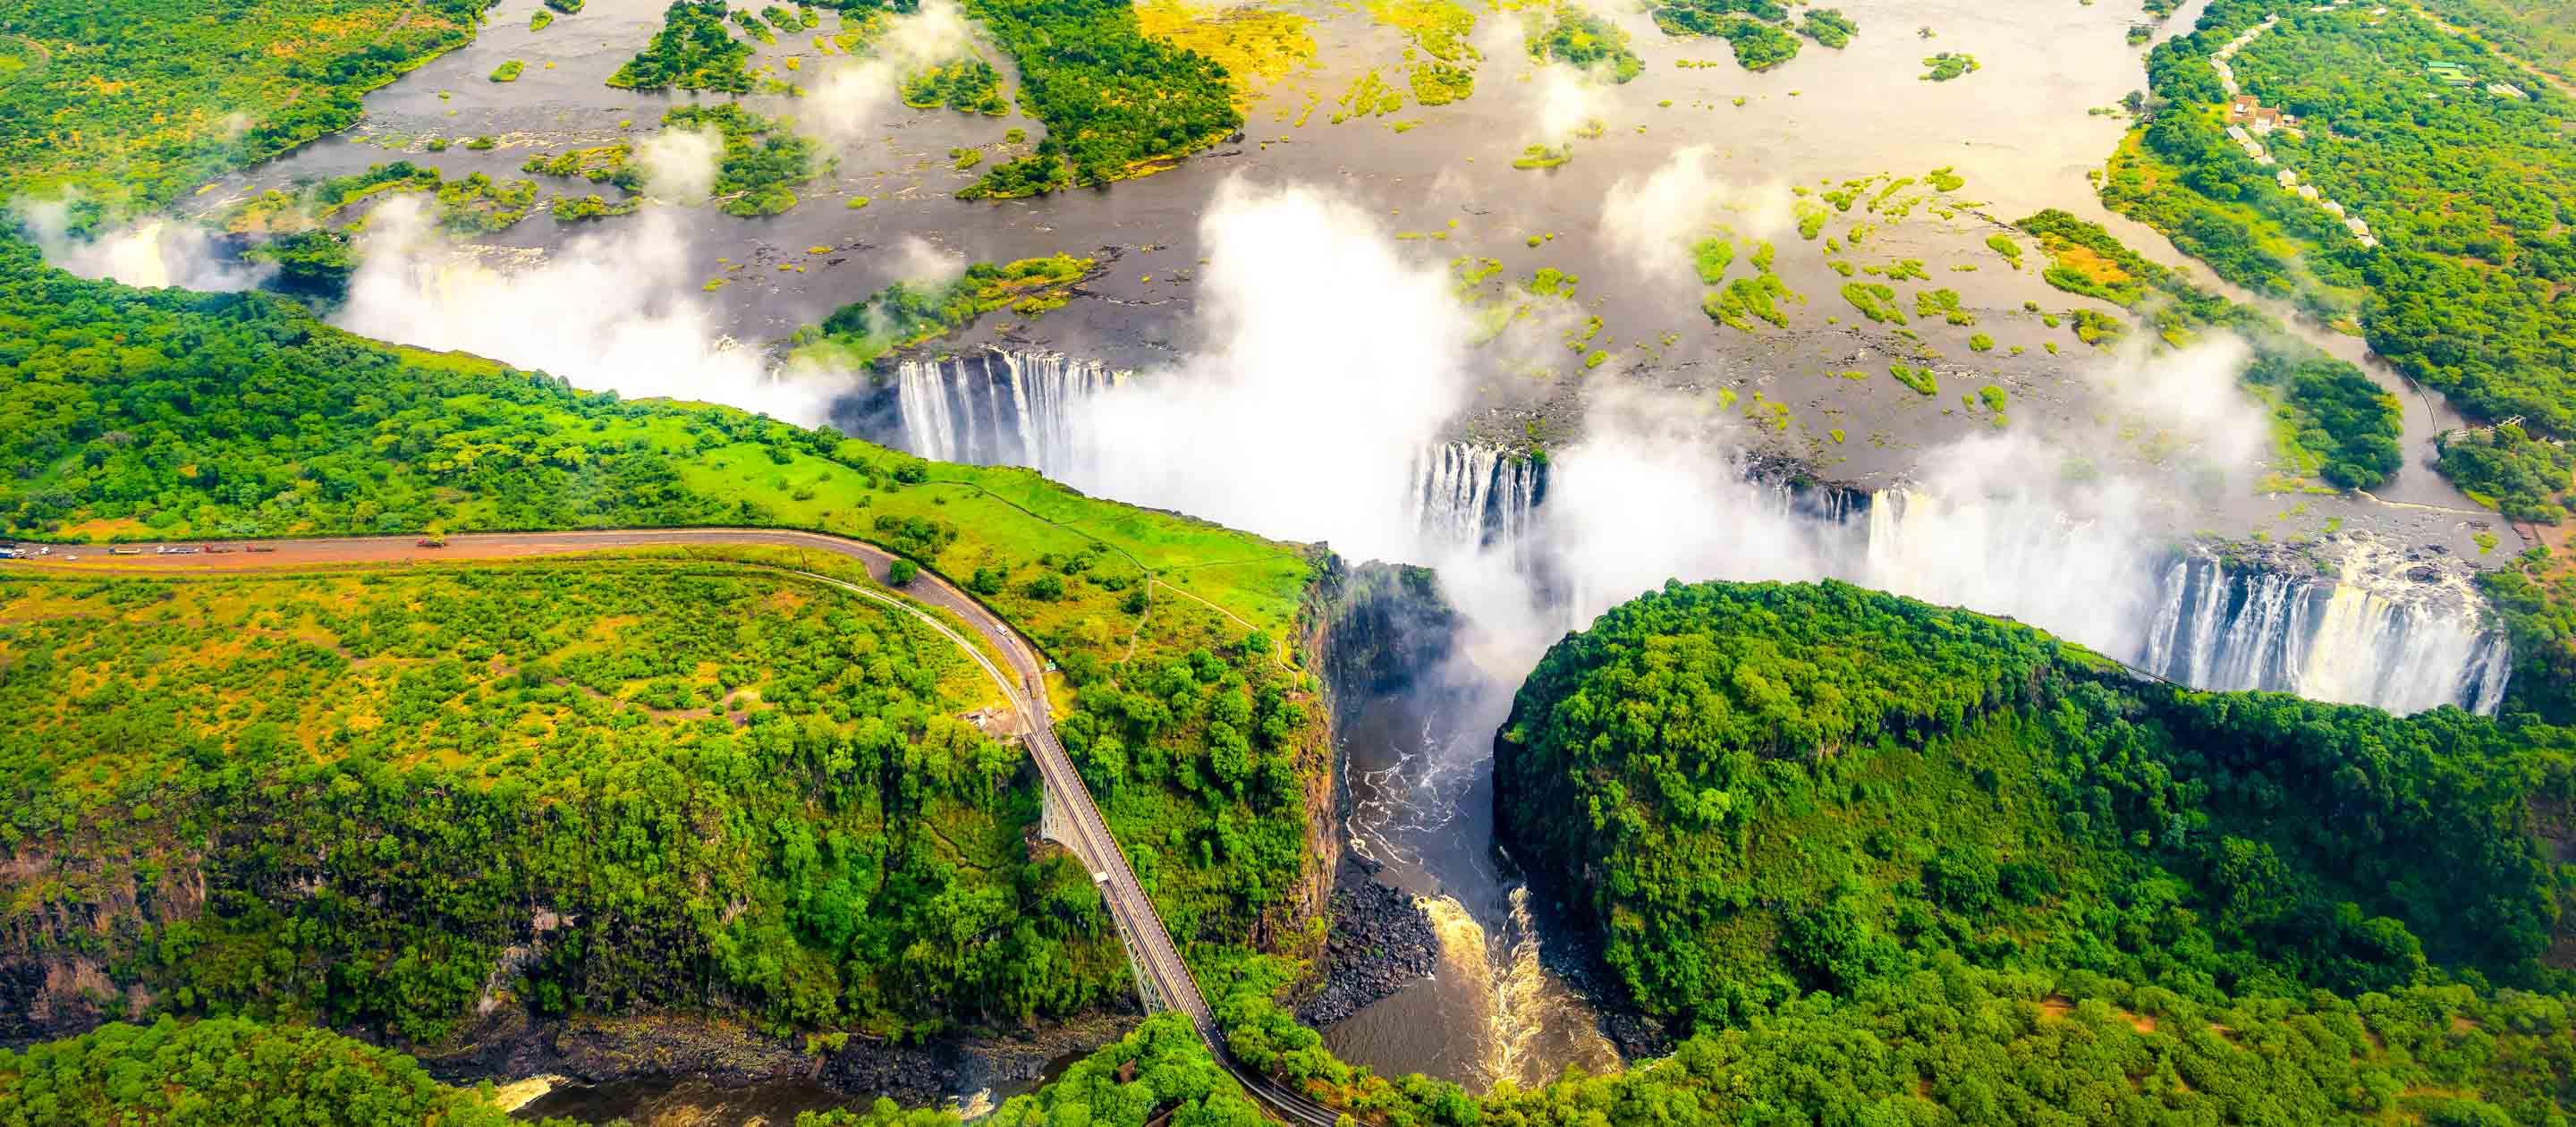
pixel 2481 514
pixel 1024 686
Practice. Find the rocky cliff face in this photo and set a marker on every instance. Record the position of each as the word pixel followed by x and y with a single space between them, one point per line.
pixel 1374 628
pixel 1369 630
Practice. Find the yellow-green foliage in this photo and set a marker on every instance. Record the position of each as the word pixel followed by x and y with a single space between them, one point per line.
pixel 1368 96
pixel 1874 300
pixel 1942 303
pixel 564 711
pixel 1811 219
pixel 131 103
pixel 229 1070
pixel 1441 62
pixel 2096 328
pixel 1746 298
pixel 1543 156
pixel 1254 45
pixel 1711 256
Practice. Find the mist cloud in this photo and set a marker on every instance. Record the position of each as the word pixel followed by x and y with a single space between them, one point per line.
pixel 1568 99
pixel 611 311
pixel 1331 364
pixel 1651 493
pixel 150 253
pixel 1654 220
pixel 918 263
pixel 2194 395
pixel 680 164
pixel 853 103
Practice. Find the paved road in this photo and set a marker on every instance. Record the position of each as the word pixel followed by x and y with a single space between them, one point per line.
pixel 1024 685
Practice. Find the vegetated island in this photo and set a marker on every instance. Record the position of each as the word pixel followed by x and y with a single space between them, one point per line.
pixel 1115 103
pixel 1759 30
pixel 906 315
pixel 762 163
pixel 692 51
pixel 1576 37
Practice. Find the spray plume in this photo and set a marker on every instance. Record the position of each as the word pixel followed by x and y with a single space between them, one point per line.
pixel 609 312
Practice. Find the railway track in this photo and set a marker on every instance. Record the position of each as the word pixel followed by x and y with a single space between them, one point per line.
pixel 1023 684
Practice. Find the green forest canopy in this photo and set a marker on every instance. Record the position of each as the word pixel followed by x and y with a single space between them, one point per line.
pixel 1878 862
pixel 692 51
pixel 1114 102
pixel 124 104
pixel 1798 787
pixel 229 1071
pixel 236 1071
pixel 2464 294
pixel 729 793
pixel 350 436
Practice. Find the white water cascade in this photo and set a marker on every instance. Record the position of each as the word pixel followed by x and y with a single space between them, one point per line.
pixel 1511 1007
pixel 1470 496
pixel 2366 625
pixel 999 408
pixel 2374 636
pixel 2369 626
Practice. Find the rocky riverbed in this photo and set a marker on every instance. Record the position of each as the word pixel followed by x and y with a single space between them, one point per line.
pixel 652 1069
pixel 1381 942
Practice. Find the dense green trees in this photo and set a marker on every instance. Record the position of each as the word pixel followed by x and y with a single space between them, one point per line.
pixel 1877 862
pixel 1113 101
pixel 968 85
pixel 2506 467
pixel 693 51
pixel 1756 28
pixel 127 103
pixel 1828 26
pixel 2539 32
pixel 227 1071
pixel 763 161
pixel 1578 38
pixel 663 787
pixel 2462 293
pixel 1788 787
pixel 290 426
pixel 2343 428
pixel 1954 1043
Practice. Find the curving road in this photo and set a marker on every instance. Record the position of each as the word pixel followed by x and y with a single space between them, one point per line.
pixel 1024 685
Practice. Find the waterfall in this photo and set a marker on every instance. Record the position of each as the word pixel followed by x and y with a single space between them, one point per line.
pixel 999 408
pixel 2365 623
pixel 2404 638
pixel 2079 579
pixel 1466 495
pixel 1512 991
pixel 2361 622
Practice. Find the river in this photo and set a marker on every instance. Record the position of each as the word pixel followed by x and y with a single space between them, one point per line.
pixel 1419 773
pixel 2021 131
